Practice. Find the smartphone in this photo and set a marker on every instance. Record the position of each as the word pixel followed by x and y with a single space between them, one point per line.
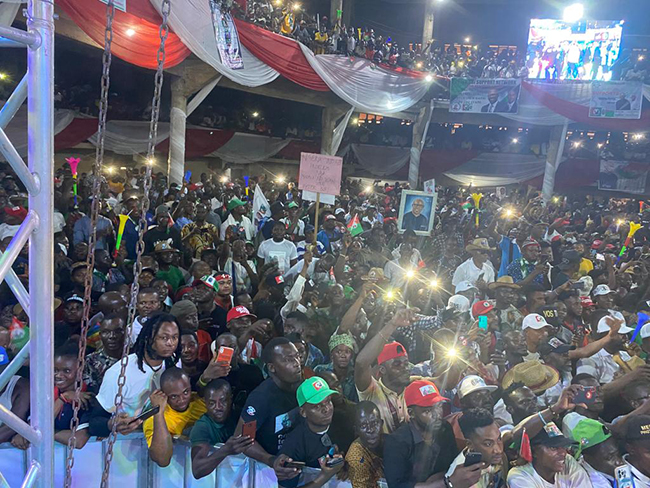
pixel 483 322
pixel 586 396
pixel 249 429
pixel 294 464
pixel 225 354
pixel 472 458
pixel 334 462
pixel 623 475
pixel 146 414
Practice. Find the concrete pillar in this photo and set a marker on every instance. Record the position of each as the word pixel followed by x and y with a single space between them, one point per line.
pixel 328 123
pixel 420 129
pixel 178 116
pixel 335 6
pixel 348 8
pixel 429 16
pixel 553 159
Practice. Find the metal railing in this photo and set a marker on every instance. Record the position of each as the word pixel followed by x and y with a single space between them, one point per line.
pixel 38 177
pixel 132 467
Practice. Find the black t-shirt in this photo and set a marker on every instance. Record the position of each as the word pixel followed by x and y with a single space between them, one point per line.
pixel 276 413
pixel 152 236
pixel 409 460
pixel 304 445
pixel 243 381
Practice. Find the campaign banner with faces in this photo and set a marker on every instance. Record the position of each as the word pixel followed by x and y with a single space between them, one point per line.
pixel 623 176
pixel 616 99
pixel 484 95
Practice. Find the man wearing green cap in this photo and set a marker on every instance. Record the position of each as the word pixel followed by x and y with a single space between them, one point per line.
pixel 600 452
pixel 310 442
pixel 237 220
pixel 295 226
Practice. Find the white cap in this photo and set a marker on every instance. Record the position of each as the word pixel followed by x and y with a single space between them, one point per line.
pixel 472 383
pixel 645 331
pixel 601 290
pixel 588 284
pixel 603 326
pixel 464 286
pixel 459 302
pixel 339 210
pixel 534 321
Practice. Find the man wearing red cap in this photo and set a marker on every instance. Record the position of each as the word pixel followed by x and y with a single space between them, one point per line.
pixel 394 371
pixel 420 451
pixel 13 217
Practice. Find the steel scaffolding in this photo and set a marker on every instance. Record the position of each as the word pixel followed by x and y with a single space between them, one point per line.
pixel 38 88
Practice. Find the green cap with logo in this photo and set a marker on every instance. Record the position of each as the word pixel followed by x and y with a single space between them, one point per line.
pixel 584 431
pixel 235 202
pixel 313 390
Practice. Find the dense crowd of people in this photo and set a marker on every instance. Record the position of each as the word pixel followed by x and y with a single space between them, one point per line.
pixel 506 347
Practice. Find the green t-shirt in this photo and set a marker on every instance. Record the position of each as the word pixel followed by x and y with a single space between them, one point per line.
pixel 207 431
pixel 173 277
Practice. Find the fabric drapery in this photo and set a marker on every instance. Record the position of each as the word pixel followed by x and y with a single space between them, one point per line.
pixel 17 128
pixel 249 148
pixel 380 160
pixel 191 20
pixel 497 169
pixel 365 86
pixel 140 48
pixel 130 137
pixel 199 141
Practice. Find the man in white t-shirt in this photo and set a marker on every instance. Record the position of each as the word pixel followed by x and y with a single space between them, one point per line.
pixel 295 226
pixel 240 224
pixel 477 270
pixel 157 346
pixel 552 466
pixel 277 248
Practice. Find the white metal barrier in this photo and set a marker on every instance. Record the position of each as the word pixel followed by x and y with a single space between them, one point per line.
pixel 132 468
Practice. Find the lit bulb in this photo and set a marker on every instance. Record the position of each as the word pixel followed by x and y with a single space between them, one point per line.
pixel 556 199
pixel 641 57
pixel 296 6
pixel 255 114
pixel 368 189
pixel 3 76
pixel 451 353
pixel 410 274
pixel 151 161
pixel 600 145
pixel 223 179
pixel 515 140
pixel 110 170
pixel 428 78
pixel 509 212
pixel 419 64
pixel 433 283
pixel 355 121
pixel 390 295
pixel 467 39
pixel 130 32
pixel 577 144
pixel 280 179
pixel 619 222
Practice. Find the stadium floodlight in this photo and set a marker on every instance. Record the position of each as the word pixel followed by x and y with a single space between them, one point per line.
pixel 574 13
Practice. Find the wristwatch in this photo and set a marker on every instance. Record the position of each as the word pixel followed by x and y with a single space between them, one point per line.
pixel 448 482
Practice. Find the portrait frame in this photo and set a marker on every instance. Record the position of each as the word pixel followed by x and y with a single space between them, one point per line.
pixel 406 202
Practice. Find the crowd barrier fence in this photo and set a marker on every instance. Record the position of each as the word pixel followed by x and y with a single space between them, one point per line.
pixel 132 468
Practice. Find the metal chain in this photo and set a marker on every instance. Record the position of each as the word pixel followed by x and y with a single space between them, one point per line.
pixel 137 266
pixel 94 213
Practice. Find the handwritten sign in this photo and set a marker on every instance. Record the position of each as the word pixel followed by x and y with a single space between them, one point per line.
pixel 320 173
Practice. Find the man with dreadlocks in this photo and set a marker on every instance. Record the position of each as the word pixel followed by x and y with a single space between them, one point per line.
pixel 157 346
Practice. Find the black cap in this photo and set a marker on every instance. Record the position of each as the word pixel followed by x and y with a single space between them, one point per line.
pixel 551 436
pixel 554 345
pixel 569 258
pixel 549 312
pixel 451 313
pixel 638 428
pixel 276 207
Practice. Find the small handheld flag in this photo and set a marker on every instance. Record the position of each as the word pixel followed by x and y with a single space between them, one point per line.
pixel 355 226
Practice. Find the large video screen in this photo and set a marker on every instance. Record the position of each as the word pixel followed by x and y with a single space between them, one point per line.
pixel 584 50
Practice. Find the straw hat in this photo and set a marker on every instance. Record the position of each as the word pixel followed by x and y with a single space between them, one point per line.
pixel 537 376
pixel 479 245
pixel 504 282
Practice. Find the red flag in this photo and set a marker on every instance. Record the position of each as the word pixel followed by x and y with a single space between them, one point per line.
pixel 524 448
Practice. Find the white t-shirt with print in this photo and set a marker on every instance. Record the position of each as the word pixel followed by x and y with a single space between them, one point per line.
pixel 574 476
pixel 139 385
pixel 282 252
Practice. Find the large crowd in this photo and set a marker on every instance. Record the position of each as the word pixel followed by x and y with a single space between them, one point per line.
pixel 505 347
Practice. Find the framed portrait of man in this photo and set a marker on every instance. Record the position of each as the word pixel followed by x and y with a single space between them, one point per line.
pixel 417 212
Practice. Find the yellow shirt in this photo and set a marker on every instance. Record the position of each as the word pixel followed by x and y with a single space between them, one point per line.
pixel 585 266
pixel 391 405
pixel 177 422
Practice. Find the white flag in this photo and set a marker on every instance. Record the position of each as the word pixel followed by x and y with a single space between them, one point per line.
pixel 261 208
